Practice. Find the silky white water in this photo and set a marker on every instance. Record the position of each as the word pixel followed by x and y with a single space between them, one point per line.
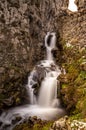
pixel 72 6
pixel 51 46
pixel 46 105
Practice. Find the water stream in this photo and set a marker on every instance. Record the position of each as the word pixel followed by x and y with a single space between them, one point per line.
pixel 72 6
pixel 46 104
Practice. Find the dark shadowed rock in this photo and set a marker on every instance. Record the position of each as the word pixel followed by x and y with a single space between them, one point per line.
pixel 8 102
pixel 1 123
pixel 17 119
pixel 55 52
pixel 35 85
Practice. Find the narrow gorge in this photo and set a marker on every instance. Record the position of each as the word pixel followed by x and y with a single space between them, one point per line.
pixel 47 106
pixel 42 63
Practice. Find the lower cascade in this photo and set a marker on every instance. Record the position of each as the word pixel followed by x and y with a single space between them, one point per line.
pixel 43 90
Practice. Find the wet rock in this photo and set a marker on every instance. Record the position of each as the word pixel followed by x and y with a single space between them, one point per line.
pixel 34 120
pixel 54 52
pixel 35 85
pixel 1 112
pixel 35 117
pixel 6 126
pixel 49 40
pixel 36 91
pixel 8 102
pixel 16 120
pixel 1 123
pixel 41 73
pixel 35 76
pixel 31 121
pixel 53 67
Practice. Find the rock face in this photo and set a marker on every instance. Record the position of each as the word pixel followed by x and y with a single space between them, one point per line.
pixel 75 23
pixel 73 82
pixel 23 25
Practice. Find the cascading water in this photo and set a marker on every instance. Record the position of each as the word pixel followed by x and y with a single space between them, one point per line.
pixel 45 104
pixel 50 42
pixel 72 6
pixel 49 84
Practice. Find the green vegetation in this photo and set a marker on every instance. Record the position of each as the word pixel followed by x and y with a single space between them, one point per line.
pixel 42 125
pixel 74 90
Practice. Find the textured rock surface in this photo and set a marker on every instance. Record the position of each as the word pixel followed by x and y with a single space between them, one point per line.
pixel 65 124
pixel 74 61
pixel 61 124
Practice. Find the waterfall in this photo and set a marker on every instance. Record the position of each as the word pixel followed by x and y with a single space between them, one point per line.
pixel 45 104
pixel 72 6
pixel 49 89
pixel 31 82
pixel 50 42
pixel 49 84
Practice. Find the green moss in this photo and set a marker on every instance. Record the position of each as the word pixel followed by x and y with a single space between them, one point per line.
pixel 47 126
pixel 81 105
pixel 18 101
pixel 23 126
pixel 83 75
pixel 64 86
pixel 42 126
pixel 81 79
pixel 81 60
pixel 78 81
pixel 36 126
pixel 74 92
pixel 76 117
pixel 63 42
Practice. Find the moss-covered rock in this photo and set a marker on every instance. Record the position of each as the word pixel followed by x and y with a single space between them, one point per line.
pixel 73 83
pixel 33 123
pixel 13 90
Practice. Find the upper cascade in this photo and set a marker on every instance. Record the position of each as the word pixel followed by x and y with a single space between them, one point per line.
pixel 72 6
pixel 50 44
pixel 49 75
